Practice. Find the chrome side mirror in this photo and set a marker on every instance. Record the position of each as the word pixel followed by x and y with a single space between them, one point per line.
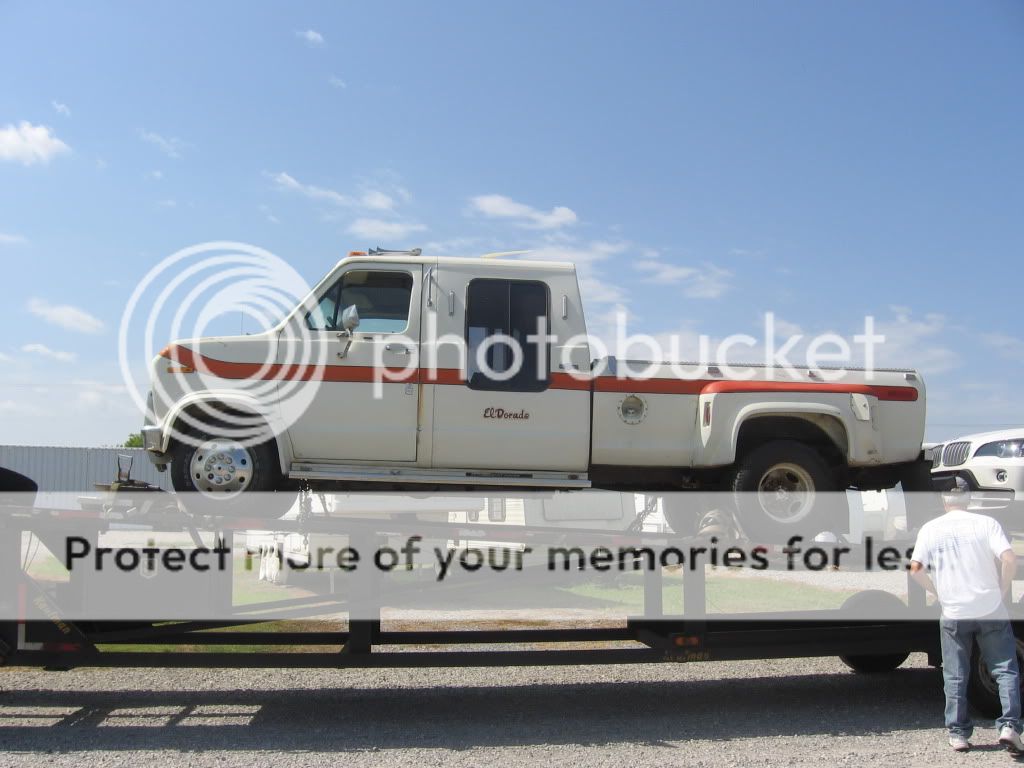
pixel 350 318
pixel 349 322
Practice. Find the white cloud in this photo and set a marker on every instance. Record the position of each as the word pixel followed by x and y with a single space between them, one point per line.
pixel 269 214
pixel 29 144
pixel 337 82
pixel 1009 347
pixel 660 272
pixel 4 358
pixel 501 207
pixel 710 282
pixel 45 351
pixel 168 203
pixel 704 282
pixel 8 239
pixel 96 394
pixel 61 109
pixel 583 256
pixel 379 229
pixel 464 246
pixel 156 175
pixel 915 342
pixel 785 329
pixel 284 181
pixel 65 316
pixel 171 146
pixel 376 200
pixel 311 37
pixel 371 199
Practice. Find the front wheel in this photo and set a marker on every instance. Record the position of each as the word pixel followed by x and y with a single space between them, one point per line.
pixel 783 489
pixel 220 475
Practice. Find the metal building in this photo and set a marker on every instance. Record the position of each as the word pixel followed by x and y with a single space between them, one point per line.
pixel 60 470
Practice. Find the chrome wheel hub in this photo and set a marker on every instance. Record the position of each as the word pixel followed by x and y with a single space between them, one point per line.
pixel 221 466
pixel 786 493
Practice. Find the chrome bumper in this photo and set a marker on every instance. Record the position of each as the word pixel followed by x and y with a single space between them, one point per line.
pixel 152 441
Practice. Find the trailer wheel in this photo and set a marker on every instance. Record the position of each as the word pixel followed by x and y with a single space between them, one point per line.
pixel 782 489
pixel 216 475
pixel 874 604
pixel 982 691
pixel 682 512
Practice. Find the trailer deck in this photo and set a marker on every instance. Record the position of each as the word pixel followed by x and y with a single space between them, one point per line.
pixel 655 637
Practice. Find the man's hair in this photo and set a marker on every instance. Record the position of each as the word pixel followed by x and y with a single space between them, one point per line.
pixel 959 494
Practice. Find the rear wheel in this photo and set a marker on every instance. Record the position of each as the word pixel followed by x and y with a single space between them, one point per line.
pixel 781 489
pixel 217 474
pixel 982 690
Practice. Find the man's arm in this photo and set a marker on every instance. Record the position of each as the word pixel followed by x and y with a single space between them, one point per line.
pixel 920 575
pixel 1007 571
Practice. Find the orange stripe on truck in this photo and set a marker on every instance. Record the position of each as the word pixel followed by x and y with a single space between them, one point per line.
pixel 453 377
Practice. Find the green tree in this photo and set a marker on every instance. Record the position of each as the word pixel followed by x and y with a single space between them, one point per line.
pixel 134 440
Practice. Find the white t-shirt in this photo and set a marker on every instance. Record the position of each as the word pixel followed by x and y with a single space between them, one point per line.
pixel 961 549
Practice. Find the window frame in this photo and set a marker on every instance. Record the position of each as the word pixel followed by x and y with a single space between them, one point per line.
pixel 338 308
pixel 509 385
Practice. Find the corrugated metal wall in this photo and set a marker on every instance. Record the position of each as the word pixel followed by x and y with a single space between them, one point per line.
pixel 76 469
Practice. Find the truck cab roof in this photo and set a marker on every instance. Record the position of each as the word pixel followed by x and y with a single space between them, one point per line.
pixel 479 263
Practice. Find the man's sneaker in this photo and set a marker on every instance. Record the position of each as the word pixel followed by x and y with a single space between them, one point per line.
pixel 1010 739
pixel 959 743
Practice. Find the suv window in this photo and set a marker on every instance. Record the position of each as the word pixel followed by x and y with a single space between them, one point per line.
pixel 512 308
pixel 381 298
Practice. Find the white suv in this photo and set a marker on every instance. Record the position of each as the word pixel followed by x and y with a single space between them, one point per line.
pixel 992 463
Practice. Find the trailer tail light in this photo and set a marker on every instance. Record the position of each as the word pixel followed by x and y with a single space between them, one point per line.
pixel 686 641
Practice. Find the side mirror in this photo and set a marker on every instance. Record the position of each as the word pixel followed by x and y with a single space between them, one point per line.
pixel 350 318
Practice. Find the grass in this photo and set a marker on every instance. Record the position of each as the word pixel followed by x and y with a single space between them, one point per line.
pixel 723 595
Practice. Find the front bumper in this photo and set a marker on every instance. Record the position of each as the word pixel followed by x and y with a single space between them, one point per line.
pixel 153 442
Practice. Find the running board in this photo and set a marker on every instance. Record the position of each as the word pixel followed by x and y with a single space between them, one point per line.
pixel 374 474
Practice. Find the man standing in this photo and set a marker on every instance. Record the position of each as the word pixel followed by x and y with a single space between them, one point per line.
pixel 972 568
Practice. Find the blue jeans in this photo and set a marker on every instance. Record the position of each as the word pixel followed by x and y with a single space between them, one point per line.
pixel 999 651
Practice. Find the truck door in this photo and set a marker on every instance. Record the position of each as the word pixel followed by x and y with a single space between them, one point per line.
pixel 500 415
pixel 349 418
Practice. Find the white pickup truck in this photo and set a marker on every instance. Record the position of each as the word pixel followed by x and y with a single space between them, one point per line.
pixel 393 401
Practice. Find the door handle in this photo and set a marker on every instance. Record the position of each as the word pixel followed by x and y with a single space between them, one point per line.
pixel 398 349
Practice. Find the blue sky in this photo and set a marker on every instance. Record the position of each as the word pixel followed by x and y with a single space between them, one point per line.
pixel 705 162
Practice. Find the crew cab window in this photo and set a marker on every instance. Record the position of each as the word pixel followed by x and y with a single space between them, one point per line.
pixel 381 298
pixel 512 308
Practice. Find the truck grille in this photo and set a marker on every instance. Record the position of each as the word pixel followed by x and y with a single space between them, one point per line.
pixel 955 454
pixel 936 456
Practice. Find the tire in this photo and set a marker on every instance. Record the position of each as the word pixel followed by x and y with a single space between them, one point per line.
pixel 874 603
pixel 214 475
pixel 982 692
pixel 766 488
pixel 681 513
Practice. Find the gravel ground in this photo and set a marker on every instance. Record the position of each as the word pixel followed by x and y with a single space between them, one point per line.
pixel 758 713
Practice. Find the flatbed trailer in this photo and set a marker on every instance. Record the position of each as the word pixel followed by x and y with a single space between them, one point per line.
pixel 58 643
